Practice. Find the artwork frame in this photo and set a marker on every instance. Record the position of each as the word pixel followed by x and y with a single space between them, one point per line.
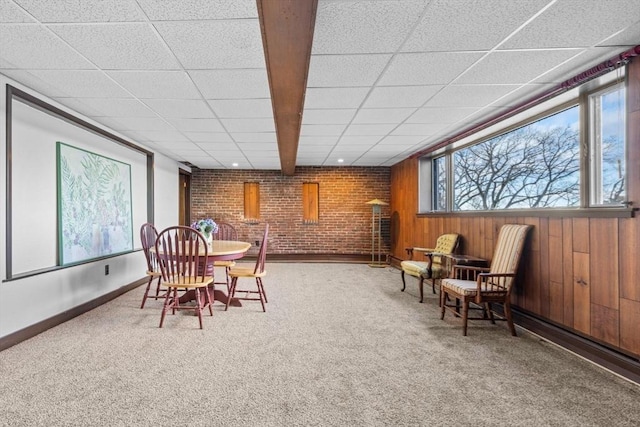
pixel 95 214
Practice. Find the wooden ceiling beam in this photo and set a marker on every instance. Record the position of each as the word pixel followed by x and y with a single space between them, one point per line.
pixel 287 36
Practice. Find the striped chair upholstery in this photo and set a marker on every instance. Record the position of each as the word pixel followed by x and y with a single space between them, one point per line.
pixel 490 285
pixel 434 268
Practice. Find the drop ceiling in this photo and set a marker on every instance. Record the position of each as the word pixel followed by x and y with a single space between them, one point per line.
pixel 387 79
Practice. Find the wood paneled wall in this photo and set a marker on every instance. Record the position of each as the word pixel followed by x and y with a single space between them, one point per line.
pixel 582 274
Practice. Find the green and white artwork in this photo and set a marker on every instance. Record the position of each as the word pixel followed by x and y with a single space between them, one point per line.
pixel 94 205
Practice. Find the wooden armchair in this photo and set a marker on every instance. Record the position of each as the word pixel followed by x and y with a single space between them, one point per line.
pixel 435 266
pixel 226 231
pixel 491 284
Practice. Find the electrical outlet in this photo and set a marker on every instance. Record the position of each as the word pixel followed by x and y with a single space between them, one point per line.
pixel 106 270
pixel 257 242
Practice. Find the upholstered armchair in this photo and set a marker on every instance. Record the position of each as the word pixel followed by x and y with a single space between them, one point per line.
pixel 434 267
pixel 484 286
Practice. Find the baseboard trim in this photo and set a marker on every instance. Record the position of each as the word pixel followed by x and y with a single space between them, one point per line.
pixel 335 258
pixel 619 363
pixel 37 328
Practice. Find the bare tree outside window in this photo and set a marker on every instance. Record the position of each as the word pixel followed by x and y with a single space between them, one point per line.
pixel 535 166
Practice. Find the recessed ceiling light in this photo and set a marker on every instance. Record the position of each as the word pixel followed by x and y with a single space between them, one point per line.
pixel 340 160
pixel 235 165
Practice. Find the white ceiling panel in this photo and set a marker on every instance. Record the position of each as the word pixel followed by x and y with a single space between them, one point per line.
pixel 29 80
pixel 157 84
pixel 314 149
pixel 482 27
pixel 400 96
pixel 435 68
pixel 335 97
pixel 127 107
pixel 144 124
pixel 336 116
pixel 163 137
pixel 215 44
pixel 197 125
pixel 232 84
pixel 208 137
pixel 400 140
pixel 19 42
pixel 217 147
pixel 440 115
pixel 627 37
pixel 419 129
pixel 130 46
pixel 364 27
pixel 80 106
pixel 242 108
pixel 345 70
pixel 561 25
pixel 181 108
pixel 10 12
pixel 469 95
pixel 515 67
pixel 249 125
pixel 382 115
pixel 321 130
pixel 368 140
pixel 318 140
pixel 82 11
pixel 82 83
pixel 584 60
pixel 254 136
pixel 184 10
pixel 372 129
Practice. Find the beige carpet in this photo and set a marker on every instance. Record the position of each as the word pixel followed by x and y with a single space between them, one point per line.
pixel 339 345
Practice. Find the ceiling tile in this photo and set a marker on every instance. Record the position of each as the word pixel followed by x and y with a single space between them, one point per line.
pixel 197 125
pixel 215 44
pixel 343 97
pixel 336 116
pixel 232 84
pixel 363 27
pixel 321 130
pixel 30 46
pixel 435 68
pixel 144 124
pixel 345 70
pixel 419 129
pixel 476 24
pixel 318 140
pixel 382 115
pixel 79 106
pixel 82 84
pixel 157 84
pixel 254 136
pixel 249 125
pixel 586 59
pixel 263 147
pixel 242 108
pixel 310 149
pixel 184 10
pixel 208 137
pixel 371 129
pixel 400 140
pixel 159 137
pixel 400 96
pixel 29 80
pixel 368 140
pixel 515 67
pixel 9 12
pixel 558 27
pixel 217 147
pixel 440 115
pixel 82 11
pixel 627 37
pixel 469 95
pixel 118 107
pixel 131 46
pixel 180 108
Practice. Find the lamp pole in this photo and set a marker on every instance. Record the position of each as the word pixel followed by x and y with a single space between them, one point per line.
pixel 376 232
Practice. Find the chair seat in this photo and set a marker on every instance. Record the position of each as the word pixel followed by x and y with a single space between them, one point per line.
pixel 190 283
pixel 245 272
pixel 421 268
pixel 224 263
pixel 469 287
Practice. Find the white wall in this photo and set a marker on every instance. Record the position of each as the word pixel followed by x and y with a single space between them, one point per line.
pixel 24 302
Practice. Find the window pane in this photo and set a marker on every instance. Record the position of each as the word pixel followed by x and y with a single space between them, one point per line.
pixel 440 184
pixel 607 147
pixel 535 166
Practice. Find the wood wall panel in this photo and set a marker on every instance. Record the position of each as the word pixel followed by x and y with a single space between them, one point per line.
pixel 629 265
pixel 604 324
pixel 567 270
pixel 555 267
pixel 604 262
pixel 629 325
pixel 581 235
pixel 581 293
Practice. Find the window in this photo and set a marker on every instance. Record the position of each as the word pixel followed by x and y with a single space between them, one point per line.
pixel 607 147
pixel 251 201
pixel 440 183
pixel 533 166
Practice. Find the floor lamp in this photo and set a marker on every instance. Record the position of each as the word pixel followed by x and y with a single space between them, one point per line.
pixel 376 232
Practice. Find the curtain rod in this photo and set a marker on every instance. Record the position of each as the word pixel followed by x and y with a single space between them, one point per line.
pixel 593 72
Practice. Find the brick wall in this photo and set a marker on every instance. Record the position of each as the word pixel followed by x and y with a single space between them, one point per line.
pixel 345 218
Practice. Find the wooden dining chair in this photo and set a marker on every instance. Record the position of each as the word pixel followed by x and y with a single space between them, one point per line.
pixel 257 273
pixel 148 236
pixel 484 286
pixel 226 231
pixel 183 257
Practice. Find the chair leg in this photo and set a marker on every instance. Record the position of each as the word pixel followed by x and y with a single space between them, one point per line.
pixel 261 293
pixel 165 306
pixel 404 284
pixel 146 292
pixel 490 312
pixel 433 285
pixel 507 314
pixel 421 288
pixel 465 316
pixel 228 281
pixel 443 301
pixel 264 294
pixel 232 291
pixel 199 306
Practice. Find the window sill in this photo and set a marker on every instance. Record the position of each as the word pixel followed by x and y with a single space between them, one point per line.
pixel 550 213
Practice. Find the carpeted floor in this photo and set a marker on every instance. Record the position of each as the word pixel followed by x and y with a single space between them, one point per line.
pixel 339 345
